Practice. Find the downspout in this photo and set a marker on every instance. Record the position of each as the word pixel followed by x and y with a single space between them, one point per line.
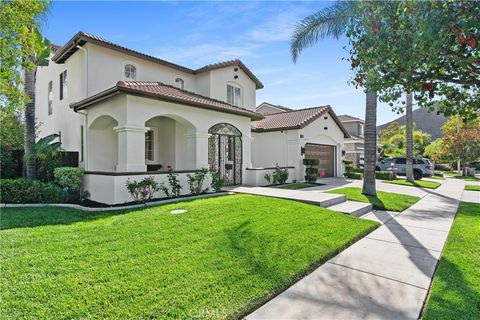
pixel 85 86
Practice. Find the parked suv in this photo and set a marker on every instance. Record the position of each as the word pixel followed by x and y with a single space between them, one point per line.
pixel 422 167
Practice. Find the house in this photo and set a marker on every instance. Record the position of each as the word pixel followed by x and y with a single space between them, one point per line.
pixel 287 137
pixel 130 115
pixel 354 146
pixel 268 108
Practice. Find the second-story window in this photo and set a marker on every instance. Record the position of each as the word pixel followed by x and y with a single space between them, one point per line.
pixel 63 85
pixel 50 98
pixel 179 83
pixel 234 95
pixel 130 72
pixel 360 130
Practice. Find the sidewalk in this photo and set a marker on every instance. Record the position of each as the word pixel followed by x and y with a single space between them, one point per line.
pixel 385 275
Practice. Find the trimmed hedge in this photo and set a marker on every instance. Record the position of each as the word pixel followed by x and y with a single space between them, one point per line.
pixel 353 175
pixel 385 175
pixel 29 191
pixel 311 162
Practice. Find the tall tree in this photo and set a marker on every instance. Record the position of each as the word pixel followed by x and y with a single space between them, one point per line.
pixel 409 137
pixel 22 48
pixel 333 22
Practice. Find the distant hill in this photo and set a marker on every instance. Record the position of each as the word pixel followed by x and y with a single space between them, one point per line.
pixel 426 121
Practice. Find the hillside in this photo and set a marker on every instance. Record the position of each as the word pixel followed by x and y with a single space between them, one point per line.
pixel 426 121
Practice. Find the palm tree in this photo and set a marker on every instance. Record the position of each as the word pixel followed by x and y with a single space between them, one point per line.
pixel 409 139
pixel 332 22
pixel 39 59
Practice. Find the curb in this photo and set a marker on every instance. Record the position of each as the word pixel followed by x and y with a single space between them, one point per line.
pixel 135 206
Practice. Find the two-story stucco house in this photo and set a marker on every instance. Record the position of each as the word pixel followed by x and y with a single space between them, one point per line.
pixel 130 115
pixel 354 146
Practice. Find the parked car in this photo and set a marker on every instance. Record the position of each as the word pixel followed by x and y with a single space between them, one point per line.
pixel 422 167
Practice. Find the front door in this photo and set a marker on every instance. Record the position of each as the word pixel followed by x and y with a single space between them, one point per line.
pixel 326 156
pixel 225 153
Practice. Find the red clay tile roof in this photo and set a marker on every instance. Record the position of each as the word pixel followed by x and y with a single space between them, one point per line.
pixel 160 91
pixel 55 47
pixel 295 119
pixel 82 37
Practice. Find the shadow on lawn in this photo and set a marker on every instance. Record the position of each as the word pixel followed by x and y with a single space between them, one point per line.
pixel 12 218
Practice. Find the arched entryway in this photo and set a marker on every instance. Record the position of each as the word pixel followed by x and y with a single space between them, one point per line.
pixel 225 152
pixel 102 142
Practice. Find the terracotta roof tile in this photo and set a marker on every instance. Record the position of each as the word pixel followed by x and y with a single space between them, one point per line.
pixel 82 37
pixel 160 91
pixel 294 119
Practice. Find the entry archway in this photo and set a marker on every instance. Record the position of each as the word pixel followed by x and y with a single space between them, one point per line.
pixel 225 152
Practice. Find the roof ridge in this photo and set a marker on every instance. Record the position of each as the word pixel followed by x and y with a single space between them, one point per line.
pixel 298 110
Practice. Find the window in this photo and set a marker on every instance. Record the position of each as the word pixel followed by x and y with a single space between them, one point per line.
pixel 179 83
pixel 81 143
pixel 149 145
pixel 400 161
pixel 130 72
pixel 50 97
pixel 360 130
pixel 234 95
pixel 63 85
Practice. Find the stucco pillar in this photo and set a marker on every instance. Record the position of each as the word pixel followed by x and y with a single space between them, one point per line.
pixel 198 141
pixel 131 148
pixel 247 151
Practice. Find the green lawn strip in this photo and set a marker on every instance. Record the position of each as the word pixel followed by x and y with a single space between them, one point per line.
pixel 455 291
pixel 223 258
pixel 383 200
pixel 296 186
pixel 467 178
pixel 417 183
pixel 437 178
pixel 472 188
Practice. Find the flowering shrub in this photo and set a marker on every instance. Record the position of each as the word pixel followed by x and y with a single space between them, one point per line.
pixel 280 176
pixel 195 181
pixel 142 191
pixel 217 181
pixel 173 182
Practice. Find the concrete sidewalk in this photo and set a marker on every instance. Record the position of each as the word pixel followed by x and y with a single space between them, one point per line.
pixel 385 275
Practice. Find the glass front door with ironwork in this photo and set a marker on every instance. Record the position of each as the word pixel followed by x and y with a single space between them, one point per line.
pixel 225 152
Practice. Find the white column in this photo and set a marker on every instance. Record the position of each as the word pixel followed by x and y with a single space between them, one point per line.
pixel 247 142
pixel 198 142
pixel 131 148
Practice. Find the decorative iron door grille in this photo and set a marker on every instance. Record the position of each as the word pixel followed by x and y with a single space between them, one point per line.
pixel 225 153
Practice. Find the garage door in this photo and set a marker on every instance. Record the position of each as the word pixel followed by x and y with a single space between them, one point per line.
pixel 326 155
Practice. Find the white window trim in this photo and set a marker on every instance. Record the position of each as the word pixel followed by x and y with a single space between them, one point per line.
pixel 124 64
pixel 175 82
pixel 235 85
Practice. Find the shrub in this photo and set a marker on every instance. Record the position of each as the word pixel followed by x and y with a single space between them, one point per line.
pixel 280 176
pixel 268 178
pixel 353 175
pixel 29 191
pixel 385 175
pixel 348 162
pixel 358 170
pixel 174 183
pixel 311 172
pixel 443 167
pixel 217 181
pixel 69 179
pixel 142 191
pixel 195 181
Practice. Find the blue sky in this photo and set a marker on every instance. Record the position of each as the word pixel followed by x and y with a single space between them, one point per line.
pixel 197 33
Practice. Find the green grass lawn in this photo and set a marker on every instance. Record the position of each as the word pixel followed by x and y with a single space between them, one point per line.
pixel 472 188
pixel 296 185
pixel 436 178
pixel 455 291
pixel 466 178
pixel 223 258
pixel 417 183
pixel 383 200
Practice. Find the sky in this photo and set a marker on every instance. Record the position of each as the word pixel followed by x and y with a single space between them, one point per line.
pixel 194 34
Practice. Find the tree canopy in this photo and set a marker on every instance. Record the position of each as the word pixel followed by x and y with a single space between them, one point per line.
pixel 393 141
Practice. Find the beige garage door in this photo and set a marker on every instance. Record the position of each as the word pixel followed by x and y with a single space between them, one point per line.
pixel 326 155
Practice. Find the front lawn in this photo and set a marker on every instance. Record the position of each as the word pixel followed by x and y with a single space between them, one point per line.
pixel 437 178
pixel 221 259
pixel 296 185
pixel 472 188
pixel 455 291
pixel 467 178
pixel 417 183
pixel 383 201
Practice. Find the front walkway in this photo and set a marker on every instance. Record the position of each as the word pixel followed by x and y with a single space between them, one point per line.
pixel 385 275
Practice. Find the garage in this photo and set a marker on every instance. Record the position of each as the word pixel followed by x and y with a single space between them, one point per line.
pixel 324 153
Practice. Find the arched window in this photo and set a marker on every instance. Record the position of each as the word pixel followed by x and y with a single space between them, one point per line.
pixel 179 83
pixel 130 72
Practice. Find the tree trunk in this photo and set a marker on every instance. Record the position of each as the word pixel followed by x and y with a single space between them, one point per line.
pixel 30 152
pixel 409 133
pixel 370 151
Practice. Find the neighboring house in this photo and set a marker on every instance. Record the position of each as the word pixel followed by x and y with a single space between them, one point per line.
pixel 130 115
pixel 354 146
pixel 286 138
pixel 268 108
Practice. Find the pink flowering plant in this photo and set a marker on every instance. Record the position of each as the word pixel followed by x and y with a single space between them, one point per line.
pixel 143 191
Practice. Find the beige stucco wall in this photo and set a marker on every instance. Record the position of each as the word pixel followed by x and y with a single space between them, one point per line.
pixel 219 79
